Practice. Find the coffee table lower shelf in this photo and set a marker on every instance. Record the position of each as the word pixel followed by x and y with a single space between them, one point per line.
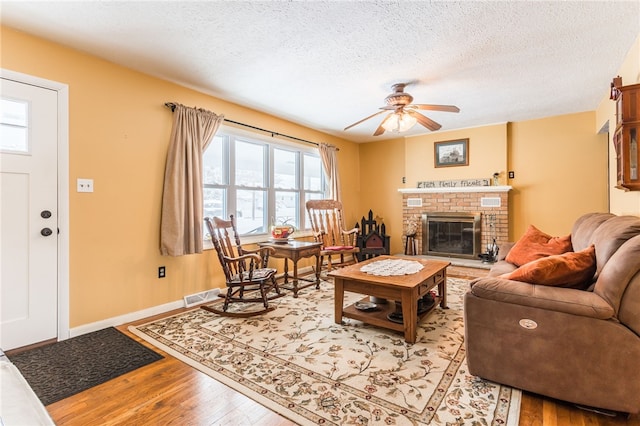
pixel 378 316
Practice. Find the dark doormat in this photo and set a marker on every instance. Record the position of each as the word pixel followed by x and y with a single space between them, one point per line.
pixel 66 368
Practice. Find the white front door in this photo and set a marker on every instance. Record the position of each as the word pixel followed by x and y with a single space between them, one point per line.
pixel 28 214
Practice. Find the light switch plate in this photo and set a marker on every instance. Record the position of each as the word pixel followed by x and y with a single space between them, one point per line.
pixel 85 185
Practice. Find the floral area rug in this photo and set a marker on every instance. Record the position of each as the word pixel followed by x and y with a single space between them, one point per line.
pixel 296 361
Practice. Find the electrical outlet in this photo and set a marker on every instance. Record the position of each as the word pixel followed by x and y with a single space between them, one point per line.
pixel 85 185
pixel 162 272
pixel 404 179
pixel 512 174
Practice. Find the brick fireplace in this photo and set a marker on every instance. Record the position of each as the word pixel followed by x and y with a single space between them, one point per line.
pixel 491 202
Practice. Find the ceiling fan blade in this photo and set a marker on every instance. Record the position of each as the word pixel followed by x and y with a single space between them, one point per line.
pixel 364 119
pixel 447 108
pixel 379 130
pixel 426 122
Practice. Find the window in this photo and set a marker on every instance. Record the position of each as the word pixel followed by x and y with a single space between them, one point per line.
pixel 260 181
pixel 14 125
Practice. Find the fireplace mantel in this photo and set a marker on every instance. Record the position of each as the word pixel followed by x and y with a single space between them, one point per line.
pixel 504 188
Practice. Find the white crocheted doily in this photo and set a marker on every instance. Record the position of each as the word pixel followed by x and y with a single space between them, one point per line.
pixel 390 267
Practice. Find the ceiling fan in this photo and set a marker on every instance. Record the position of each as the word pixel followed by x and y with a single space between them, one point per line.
pixel 404 115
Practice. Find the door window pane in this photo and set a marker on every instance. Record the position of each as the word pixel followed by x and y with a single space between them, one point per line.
pixel 14 125
pixel 284 169
pixel 250 211
pixel 250 164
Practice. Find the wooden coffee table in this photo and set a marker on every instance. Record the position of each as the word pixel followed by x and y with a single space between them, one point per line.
pixel 407 289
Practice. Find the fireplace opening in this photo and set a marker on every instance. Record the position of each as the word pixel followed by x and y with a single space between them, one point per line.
pixel 454 234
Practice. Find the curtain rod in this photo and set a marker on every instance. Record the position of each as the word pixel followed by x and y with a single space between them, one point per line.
pixel 173 107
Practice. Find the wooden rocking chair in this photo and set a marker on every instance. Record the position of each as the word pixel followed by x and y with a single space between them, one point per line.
pixel 248 278
pixel 327 225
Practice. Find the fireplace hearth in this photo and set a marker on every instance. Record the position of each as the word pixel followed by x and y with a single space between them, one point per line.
pixel 455 234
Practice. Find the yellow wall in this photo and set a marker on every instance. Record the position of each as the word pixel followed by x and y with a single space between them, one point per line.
pixel 560 166
pixel 487 155
pixel 119 133
pixel 381 176
pixel 622 202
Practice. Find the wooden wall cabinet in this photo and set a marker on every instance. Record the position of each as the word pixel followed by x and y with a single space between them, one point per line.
pixel 625 138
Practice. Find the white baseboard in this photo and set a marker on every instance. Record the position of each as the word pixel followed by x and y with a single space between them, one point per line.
pixel 145 313
pixel 123 319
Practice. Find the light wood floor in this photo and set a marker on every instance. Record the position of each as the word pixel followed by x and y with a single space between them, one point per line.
pixel 170 392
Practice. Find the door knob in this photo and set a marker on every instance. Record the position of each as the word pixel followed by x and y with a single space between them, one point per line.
pixel 46 232
pixel 45 214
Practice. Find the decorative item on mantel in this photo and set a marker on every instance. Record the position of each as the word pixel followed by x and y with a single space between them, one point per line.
pixel 496 179
pixel 456 183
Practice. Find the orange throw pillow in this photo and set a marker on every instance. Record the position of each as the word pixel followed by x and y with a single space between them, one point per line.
pixel 535 244
pixel 573 269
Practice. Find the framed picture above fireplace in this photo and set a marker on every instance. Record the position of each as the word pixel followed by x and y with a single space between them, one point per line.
pixel 452 153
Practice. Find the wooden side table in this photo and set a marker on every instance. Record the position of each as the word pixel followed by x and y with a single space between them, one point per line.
pixel 296 250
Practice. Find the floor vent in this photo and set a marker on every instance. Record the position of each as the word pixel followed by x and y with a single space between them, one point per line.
pixel 203 296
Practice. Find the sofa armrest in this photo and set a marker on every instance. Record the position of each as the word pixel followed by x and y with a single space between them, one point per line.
pixel 567 300
pixel 501 267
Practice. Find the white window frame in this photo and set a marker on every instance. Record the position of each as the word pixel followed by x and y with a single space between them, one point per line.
pixel 233 134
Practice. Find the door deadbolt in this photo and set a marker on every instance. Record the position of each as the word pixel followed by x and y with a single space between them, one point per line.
pixel 46 232
pixel 45 214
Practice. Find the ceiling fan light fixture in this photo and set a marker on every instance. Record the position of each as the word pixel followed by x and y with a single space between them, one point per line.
pixel 399 122
pixel 403 115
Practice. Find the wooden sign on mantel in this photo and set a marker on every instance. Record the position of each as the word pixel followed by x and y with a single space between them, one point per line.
pixel 460 183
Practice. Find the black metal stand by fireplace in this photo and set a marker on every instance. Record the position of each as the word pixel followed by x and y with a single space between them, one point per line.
pixel 455 234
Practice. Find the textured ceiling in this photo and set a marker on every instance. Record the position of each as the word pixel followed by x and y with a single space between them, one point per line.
pixel 328 64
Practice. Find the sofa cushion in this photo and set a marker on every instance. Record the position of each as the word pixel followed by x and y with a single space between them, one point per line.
pixel 612 234
pixel 572 269
pixel 535 244
pixel 584 227
pixel 619 282
pixel 568 300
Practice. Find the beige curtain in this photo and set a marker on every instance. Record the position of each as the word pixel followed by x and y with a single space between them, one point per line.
pixel 182 210
pixel 330 164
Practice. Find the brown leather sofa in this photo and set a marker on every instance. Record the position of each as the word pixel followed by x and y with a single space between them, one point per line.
pixel 581 346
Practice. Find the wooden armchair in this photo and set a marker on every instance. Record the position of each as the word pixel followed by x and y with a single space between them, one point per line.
pixel 327 225
pixel 245 271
